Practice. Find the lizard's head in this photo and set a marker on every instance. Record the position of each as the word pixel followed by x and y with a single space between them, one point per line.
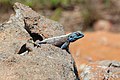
pixel 75 36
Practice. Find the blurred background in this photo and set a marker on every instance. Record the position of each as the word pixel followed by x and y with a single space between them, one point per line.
pixel 98 19
pixel 73 14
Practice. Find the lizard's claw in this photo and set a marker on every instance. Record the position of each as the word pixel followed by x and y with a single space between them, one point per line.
pixel 31 41
pixel 37 44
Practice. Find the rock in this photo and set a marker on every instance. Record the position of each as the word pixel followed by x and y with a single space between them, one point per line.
pixel 100 70
pixel 72 22
pixel 13 36
pixel 102 25
pixel 36 23
pixel 47 62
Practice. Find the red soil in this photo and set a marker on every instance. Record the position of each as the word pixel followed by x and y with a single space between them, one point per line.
pixel 96 46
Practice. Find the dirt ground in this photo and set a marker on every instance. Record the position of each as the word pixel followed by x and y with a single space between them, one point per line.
pixel 96 46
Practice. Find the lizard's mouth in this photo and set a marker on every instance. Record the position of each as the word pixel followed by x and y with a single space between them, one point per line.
pixel 82 35
pixel 79 34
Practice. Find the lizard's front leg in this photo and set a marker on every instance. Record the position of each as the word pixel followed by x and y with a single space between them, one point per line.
pixel 66 46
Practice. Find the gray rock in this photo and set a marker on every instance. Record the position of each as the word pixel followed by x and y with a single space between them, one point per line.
pixel 43 63
pixel 12 37
pixel 36 23
pixel 101 70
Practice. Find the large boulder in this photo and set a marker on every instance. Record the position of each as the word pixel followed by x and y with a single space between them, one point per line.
pixel 47 62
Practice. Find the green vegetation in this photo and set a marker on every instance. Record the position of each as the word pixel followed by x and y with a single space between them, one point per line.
pixel 107 3
pixel 57 14
pixel 42 3
pixel 89 11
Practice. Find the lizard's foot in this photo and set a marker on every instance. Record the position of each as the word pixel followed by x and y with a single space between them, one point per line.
pixel 31 41
pixel 37 43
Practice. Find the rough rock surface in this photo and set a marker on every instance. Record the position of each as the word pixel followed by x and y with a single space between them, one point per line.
pixel 100 70
pixel 41 63
pixel 45 63
pixel 12 36
pixel 36 23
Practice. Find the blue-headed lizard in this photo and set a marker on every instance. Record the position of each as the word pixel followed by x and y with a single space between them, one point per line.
pixel 62 41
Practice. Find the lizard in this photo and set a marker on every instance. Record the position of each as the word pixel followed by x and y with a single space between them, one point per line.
pixel 61 41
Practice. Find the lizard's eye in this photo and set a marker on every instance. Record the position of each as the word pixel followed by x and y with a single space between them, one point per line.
pixel 71 37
